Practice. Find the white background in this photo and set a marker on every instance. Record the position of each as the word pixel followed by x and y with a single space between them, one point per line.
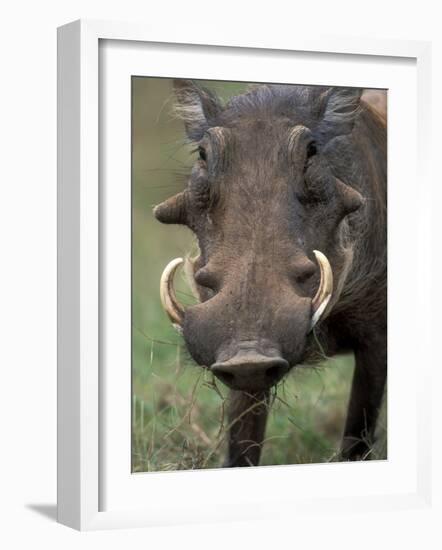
pixel 28 277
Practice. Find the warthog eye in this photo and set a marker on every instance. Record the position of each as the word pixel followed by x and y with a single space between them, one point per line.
pixel 311 149
pixel 202 153
pixel 310 199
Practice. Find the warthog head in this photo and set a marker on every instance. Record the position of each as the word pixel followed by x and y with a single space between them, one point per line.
pixel 268 212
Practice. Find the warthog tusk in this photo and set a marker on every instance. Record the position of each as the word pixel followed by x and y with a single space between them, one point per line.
pixel 169 301
pixel 325 290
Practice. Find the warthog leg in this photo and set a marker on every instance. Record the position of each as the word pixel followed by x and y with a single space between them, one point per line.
pixel 247 415
pixel 365 401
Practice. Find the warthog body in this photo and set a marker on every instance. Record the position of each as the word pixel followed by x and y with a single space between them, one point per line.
pixel 283 172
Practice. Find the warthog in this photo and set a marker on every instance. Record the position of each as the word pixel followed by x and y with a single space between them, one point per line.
pixel 287 200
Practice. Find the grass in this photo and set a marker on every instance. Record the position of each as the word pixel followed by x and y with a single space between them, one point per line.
pixel 179 414
pixel 178 410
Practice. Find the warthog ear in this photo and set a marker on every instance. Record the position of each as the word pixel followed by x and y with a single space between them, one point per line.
pixel 198 107
pixel 338 112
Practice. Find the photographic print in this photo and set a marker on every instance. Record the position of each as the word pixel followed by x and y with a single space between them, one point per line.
pixel 259 274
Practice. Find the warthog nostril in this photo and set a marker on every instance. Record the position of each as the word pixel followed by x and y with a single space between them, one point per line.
pixel 250 371
pixel 275 373
pixel 226 377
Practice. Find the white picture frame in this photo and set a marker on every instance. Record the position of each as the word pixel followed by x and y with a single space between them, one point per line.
pixel 81 441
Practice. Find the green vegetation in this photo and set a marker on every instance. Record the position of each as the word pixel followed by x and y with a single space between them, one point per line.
pixel 178 410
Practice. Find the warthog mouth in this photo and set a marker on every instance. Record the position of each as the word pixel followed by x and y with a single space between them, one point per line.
pixel 242 363
pixel 250 370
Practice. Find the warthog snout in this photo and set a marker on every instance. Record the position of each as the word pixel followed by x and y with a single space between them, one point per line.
pixel 250 370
